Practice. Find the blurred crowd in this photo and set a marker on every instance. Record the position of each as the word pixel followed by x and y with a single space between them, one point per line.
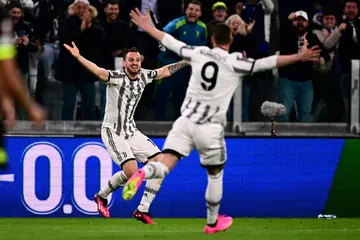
pixel 312 92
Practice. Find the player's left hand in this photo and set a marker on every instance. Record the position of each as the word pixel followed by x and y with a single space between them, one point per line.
pixel 142 21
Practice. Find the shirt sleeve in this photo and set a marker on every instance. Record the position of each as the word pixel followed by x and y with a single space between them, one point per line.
pixel 148 76
pixel 180 48
pixel 248 66
pixel 115 77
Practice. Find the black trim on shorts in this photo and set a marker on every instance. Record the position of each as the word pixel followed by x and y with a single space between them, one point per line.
pixel 154 155
pixel 218 165
pixel 173 152
pixel 125 161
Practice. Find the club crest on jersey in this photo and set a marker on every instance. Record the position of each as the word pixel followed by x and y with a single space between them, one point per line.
pixel 151 74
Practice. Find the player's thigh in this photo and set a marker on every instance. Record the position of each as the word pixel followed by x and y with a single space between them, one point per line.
pixel 179 140
pixel 143 147
pixel 210 143
pixel 117 147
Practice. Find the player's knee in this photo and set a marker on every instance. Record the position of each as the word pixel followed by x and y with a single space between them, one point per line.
pixel 215 170
pixel 129 167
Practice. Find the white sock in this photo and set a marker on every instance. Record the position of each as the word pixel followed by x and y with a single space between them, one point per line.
pixel 155 170
pixel 213 197
pixel 151 189
pixel 115 182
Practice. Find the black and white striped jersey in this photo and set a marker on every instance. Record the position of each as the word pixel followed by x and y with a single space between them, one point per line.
pixel 216 75
pixel 122 98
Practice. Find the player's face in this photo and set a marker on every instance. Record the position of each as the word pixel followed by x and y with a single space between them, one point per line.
pixel 132 63
pixel 234 25
pixel 15 14
pixel 220 14
pixel 112 12
pixel 329 21
pixel 193 12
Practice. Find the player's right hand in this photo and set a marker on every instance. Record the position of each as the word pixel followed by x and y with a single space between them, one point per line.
pixel 142 21
pixel 309 54
pixel 73 50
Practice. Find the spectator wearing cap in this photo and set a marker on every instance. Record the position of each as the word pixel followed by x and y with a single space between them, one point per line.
pixel 349 48
pixel 82 28
pixel 219 13
pixel 295 82
pixel 327 71
pixel 190 30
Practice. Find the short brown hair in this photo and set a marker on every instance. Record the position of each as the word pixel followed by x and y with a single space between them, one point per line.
pixel 133 49
pixel 221 33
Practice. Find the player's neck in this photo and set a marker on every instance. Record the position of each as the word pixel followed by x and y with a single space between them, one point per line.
pixel 223 47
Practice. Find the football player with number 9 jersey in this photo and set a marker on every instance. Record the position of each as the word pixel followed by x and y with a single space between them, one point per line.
pixel 215 76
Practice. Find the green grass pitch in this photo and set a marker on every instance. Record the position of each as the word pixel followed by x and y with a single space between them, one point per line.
pixel 176 229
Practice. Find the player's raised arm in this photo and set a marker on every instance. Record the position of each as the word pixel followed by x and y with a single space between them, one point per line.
pixel 166 40
pixel 168 70
pixel 101 73
pixel 243 65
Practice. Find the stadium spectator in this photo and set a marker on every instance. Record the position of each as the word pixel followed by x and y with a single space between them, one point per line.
pixel 258 13
pixel 192 31
pixel 219 13
pixel 349 48
pixel 46 31
pixel 240 31
pixel 327 71
pixel 24 40
pixel 25 4
pixel 119 36
pixel 82 28
pixel 239 7
pixel 295 81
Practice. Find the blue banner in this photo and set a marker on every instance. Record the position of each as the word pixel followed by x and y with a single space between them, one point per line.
pixel 57 177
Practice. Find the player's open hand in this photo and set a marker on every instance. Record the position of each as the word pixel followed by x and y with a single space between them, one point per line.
pixel 142 21
pixel 73 50
pixel 309 54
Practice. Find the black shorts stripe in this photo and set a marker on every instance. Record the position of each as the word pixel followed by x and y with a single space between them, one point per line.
pixel 125 161
pixel 173 152
pixel 154 155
